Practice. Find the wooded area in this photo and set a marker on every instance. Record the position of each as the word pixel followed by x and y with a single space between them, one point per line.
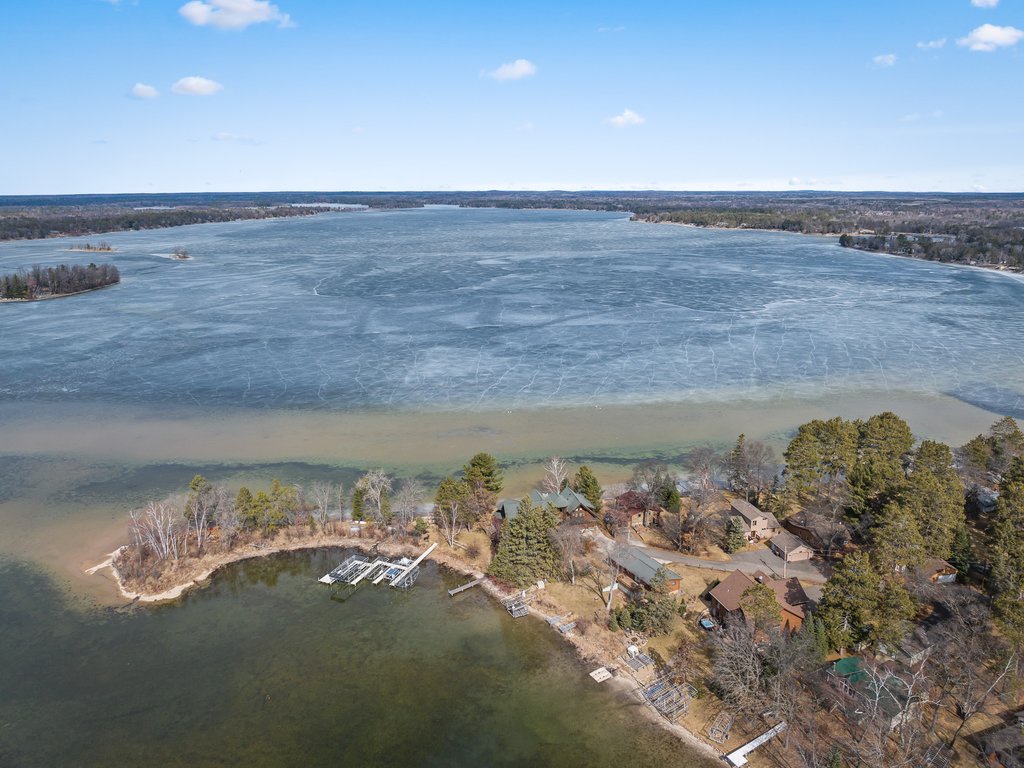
pixel 42 282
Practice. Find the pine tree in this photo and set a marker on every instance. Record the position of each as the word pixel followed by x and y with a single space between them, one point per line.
pixel 735 535
pixel 484 468
pixel 739 471
pixel 585 483
pixel 244 509
pixel 897 541
pixel 934 495
pixel 882 442
pixel 385 507
pixel 848 601
pixel 526 552
pixel 358 503
pixel 890 616
pixel 760 606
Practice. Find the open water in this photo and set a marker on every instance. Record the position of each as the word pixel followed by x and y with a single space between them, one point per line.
pixel 267 667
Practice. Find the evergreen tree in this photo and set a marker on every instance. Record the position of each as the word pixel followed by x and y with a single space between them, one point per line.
pixel 820 457
pixel 484 468
pixel 358 503
pixel 244 509
pixel 585 483
pixel 962 551
pixel 1006 545
pixel 739 471
pixel 735 535
pixel 526 552
pixel 934 495
pixel 897 543
pixel 882 442
pixel 890 617
pixel 848 601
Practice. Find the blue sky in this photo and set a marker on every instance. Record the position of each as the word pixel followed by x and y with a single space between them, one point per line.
pixel 96 96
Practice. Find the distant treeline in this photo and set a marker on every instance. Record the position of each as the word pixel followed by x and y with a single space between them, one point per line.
pixel 43 222
pixel 63 279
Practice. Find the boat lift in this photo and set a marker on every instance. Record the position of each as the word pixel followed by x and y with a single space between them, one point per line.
pixel 400 573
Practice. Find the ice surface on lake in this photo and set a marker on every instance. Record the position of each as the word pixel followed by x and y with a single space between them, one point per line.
pixel 497 308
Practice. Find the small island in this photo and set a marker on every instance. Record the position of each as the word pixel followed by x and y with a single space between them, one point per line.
pixel 180 254
pixel 102 247
pixel 53 282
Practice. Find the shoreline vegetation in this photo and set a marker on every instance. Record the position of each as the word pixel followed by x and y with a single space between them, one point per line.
pixel 40 283
pixel 884 507
pixel 103 247
pixel 985 230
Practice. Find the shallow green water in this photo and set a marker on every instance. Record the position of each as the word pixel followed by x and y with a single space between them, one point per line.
pixel 263 667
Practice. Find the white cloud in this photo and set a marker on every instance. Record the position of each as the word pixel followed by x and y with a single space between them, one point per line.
pixel 911 118
pixel 143 91
pixel 884 60
pixel 932 44
pixel 196 86
pixel 234 138
pixel 233 14
pixel 628 117
pixel 514 70
pixel 984 3
pixel 988 37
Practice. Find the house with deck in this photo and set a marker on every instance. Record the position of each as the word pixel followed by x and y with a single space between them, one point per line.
pixel 757 525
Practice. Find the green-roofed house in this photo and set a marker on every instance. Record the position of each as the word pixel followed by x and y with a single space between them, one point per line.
pixel 860 690
pixel 642 568
pixel 572 506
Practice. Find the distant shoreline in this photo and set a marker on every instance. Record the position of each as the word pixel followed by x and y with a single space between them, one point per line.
pixel 1009 271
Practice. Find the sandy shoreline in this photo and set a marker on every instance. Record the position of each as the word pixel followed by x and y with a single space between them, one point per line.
pixel 586 652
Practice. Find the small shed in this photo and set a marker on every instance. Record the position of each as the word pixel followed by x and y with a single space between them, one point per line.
pixel 789 547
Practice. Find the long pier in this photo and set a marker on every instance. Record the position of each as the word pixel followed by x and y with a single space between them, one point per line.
pixel 399 573
pixel 738 757
pixel 464 587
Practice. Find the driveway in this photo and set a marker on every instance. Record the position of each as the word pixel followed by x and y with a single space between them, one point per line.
pixel 811 571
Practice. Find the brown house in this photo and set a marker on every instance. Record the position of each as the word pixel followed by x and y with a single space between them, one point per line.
pixel 938 571
pixel 725 598
pixel 757 525
pixel 636 509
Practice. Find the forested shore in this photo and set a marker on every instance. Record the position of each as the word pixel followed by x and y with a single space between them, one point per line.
pixel 61 280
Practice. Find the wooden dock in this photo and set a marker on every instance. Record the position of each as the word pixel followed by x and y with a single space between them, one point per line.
pixel 464 587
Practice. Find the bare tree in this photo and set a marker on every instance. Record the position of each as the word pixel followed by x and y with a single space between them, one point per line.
pixel 569 540
pixel 376 485
pixel 158 527
pixel 448 518
pixel 322 494
pixel 199 514
pixel 228 523
pixel 556 474
pixel 410 496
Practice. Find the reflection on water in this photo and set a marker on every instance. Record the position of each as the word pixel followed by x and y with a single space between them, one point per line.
pixel 264 668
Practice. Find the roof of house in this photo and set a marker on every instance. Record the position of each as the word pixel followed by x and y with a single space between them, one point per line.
pixel 749 512
pixel 787 542
pixel 641 565
pixel 630 500
pixel 935 566
pixel 730 589
pixel 568 500
pixel 788 592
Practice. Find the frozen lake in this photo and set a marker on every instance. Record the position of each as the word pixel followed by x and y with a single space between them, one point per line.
pixel 476 309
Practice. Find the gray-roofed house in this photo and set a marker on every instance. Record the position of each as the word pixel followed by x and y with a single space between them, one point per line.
pixel 757 525
pixel 642 568
pixel 789 547
pixel 570 505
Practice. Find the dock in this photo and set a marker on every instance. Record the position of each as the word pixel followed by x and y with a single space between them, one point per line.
pixel 518 605
pixel 401 573
pixel 739 756
pixel 464 587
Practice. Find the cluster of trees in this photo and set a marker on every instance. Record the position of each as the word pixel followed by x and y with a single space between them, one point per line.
pixel 44 222
pixel 57 281
pixel 651 613
pixel 461 503
pixel 1002 246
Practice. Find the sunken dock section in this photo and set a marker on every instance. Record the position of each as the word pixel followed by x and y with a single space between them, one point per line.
pixel 518 605
pixel 464 587
pixel 401 573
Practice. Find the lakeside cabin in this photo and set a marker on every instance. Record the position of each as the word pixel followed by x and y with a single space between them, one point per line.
pixel 572 506
pixel 725 598
pixel 641 569
pixel 757 525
